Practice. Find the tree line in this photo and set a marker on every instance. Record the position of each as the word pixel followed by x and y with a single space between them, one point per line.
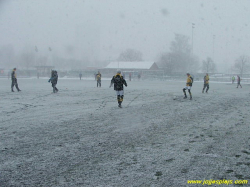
pixel 179 58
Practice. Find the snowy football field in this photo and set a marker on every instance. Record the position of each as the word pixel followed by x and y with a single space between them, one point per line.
pixel 79 136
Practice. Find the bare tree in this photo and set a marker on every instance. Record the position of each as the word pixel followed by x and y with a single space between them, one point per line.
pixel 208 66
pixel 180 57
pixel 167 62
pixel 242 64
pixel 130 55
pixel 180 44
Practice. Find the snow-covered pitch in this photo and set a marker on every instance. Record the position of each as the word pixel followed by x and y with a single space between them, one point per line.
pixel 79 136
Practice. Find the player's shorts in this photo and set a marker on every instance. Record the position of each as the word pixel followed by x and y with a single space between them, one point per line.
pixel 187 87
pixel 120 92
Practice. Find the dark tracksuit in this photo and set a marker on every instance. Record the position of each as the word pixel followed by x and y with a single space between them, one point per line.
pixel 238 82
pixel 53 80
pixel 14 81
pixel 206 83
pixel 118 82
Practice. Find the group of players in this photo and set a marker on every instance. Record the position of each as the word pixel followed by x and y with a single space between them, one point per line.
pixel 206 84
pixel 190 83
pixel 238 81
pixel 118 81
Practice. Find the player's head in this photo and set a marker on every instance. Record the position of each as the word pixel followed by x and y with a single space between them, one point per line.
pixel 188 74
pixel 119 71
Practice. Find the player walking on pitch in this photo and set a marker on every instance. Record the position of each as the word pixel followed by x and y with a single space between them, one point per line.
pixel 14 80
pixel 206 83
pixel 53 79
pixel 98 78
pixel 118 82
pixel 238 81
pixel 233 79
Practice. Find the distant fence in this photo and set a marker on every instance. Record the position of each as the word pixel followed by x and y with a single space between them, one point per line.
pixel 147 75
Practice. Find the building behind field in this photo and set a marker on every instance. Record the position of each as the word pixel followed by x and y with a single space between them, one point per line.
pixel 146 69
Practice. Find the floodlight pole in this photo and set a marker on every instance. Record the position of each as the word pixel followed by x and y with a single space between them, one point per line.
pixel 213 46
pixel 193 26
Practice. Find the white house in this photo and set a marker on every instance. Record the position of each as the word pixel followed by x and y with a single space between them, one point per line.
pixel 132 66
pixel 147 69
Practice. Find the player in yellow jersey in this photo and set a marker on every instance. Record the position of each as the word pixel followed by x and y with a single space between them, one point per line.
pixel 188 86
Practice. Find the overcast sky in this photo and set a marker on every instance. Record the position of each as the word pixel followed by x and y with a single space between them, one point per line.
pixel 101 29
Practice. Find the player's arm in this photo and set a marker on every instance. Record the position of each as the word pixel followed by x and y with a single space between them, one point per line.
pixel 124 82
pixel 111 82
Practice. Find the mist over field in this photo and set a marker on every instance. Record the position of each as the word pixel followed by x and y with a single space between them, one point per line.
pixel 82 33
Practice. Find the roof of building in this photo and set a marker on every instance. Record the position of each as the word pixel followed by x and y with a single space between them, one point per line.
pixel 130 65
pixel 92 68
pixel 44 66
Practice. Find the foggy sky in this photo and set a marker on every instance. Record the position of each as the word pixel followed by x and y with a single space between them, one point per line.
pixel 102 29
